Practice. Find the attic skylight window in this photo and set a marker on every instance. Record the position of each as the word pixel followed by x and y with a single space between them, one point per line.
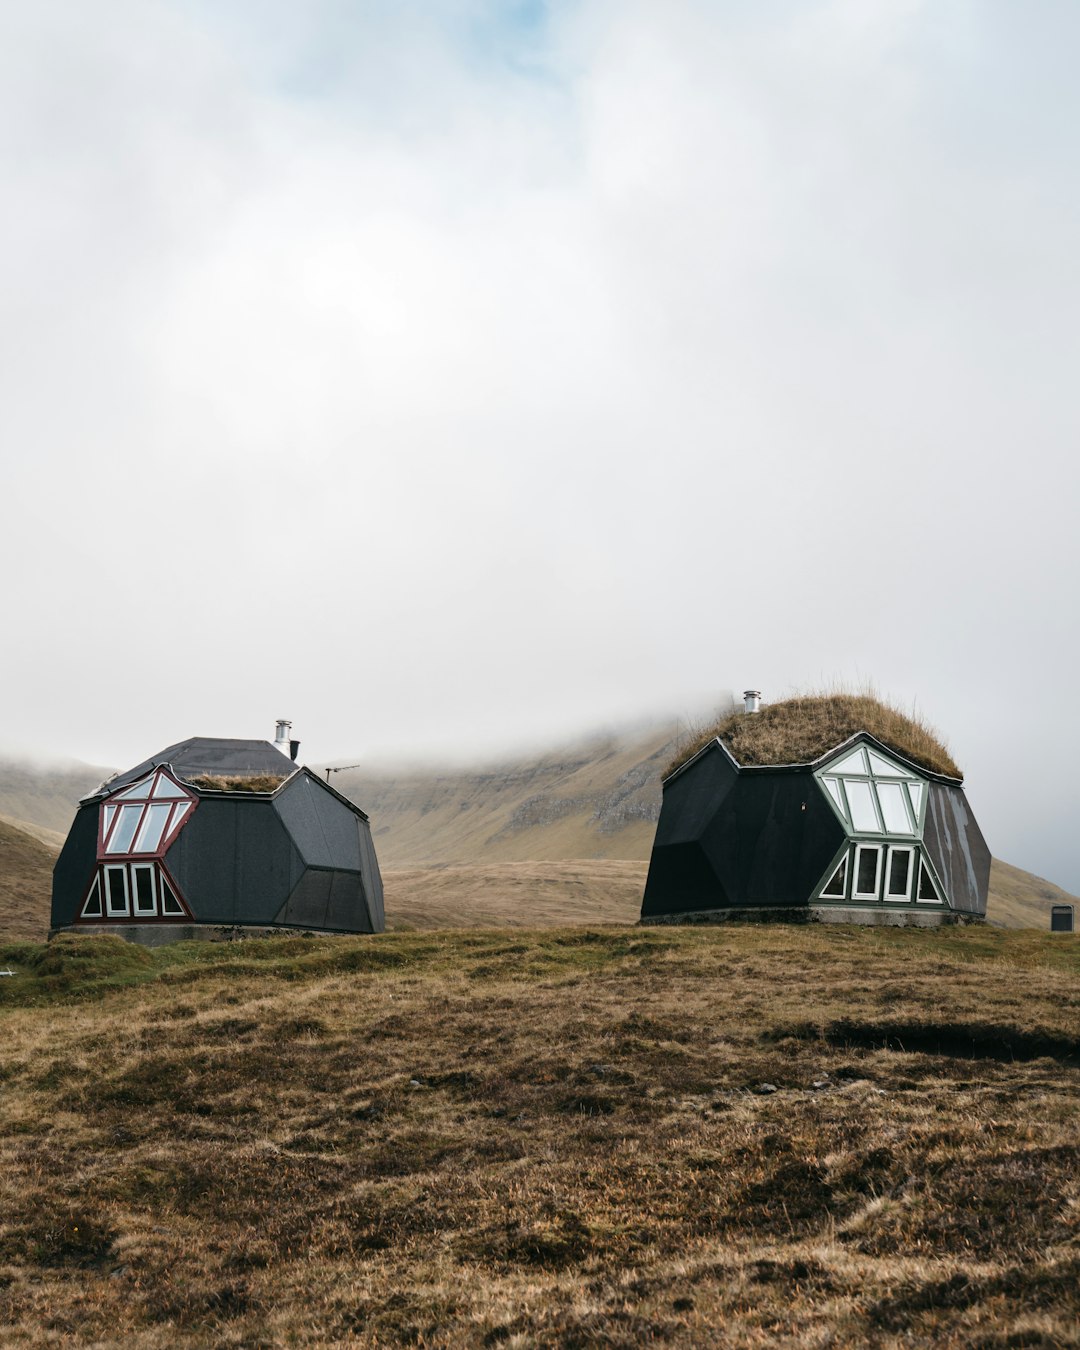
pixel 141 818
pixel 874 795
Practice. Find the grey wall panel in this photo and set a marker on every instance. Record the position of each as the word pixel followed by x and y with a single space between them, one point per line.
pixel 956 847
pixel 348 910
pixel 322 827
pixel 308 903
pixel 371 877
pixel 233 861
pixel 74 868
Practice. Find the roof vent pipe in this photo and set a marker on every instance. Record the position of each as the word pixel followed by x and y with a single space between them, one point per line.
pixel 281 735
pixel 752 700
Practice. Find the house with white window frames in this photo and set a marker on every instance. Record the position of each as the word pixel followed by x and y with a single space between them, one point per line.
pixel 881 805
pixel 860 833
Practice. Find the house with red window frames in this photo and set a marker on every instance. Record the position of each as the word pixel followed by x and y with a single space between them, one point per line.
pixel 215 834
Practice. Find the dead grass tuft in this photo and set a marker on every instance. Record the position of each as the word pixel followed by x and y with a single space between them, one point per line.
pixel 260 782
pixel 800 730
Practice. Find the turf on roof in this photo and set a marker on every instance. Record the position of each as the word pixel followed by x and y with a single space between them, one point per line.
pixel 261 782
pixel 800 730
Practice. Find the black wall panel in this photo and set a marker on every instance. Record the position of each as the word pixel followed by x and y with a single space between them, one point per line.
pixel 681 880
pixel 74 869
pixel 692 799
pixel 772 839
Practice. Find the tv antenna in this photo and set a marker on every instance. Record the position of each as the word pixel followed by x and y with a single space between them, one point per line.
pixel 341 768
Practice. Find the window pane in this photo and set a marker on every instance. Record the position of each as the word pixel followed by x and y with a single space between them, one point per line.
pixel 899 872
pixel 153 827
pixel 92 908
pixel 927 889
pixel 124 830
pixel 180 810
pixel 866 878
pixel 143 878
pixel 894 808
pixel 853 763
pixel 109 814
pixel 861 800
pixel 916 797
pixel 833 789
pixel 116 890
pixel 164 787
pixel 137 792
pixel 834 889
pixel 169 902
pixel 881 767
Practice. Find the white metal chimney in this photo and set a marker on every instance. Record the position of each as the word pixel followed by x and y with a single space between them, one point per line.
pixel 752 700
pixel 281 736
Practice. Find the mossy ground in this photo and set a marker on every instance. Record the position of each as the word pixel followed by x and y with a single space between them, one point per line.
pixel 563 1137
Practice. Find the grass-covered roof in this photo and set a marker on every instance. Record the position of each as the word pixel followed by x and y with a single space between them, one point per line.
pixel 258 782
pixel 800 730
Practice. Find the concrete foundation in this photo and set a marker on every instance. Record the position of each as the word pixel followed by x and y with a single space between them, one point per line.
pixel 161 934
pixel 876 917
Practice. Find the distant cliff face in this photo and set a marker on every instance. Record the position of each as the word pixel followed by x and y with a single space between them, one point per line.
pixel 597 799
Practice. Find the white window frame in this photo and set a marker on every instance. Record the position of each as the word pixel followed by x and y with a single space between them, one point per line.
pixel 95 888
pixel 150 913
pixel 878 850
pixel 921 900
pixel 168 914
pixel 110 910
pixel 875 805
pixel 887 894
pixel 845 863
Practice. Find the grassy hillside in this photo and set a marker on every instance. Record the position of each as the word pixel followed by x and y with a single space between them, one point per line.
pixel 1019 899
pixel 26 865
pixel 45 794
pixel 559 1138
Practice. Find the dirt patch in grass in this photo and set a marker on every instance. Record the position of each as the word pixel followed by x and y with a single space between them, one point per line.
pixel 960 1040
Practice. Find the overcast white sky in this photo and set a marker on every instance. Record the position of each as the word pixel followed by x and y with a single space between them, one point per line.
pixel 453 375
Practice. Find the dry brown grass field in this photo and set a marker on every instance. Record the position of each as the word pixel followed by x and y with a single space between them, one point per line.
pixel 570 1137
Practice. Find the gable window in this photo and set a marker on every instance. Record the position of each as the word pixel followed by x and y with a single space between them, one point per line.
pixel 872 795
pixel 137 826
pixel 145 817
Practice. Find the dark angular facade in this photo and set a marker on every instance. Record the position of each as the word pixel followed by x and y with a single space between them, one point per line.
pixel 156 856
pixel 860 835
